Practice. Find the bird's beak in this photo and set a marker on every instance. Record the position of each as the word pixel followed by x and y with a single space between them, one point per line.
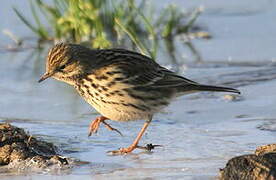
pixel 44 76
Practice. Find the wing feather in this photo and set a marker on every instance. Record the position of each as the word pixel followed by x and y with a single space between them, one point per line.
pixel 140 70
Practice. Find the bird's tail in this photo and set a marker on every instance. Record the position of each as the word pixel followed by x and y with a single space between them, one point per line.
pixel 192 88
pixel 215 88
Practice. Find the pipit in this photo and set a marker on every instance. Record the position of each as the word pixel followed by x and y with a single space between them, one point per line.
pixel 121 85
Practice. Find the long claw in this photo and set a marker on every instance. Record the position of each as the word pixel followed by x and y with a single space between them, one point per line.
pixel 111 128
pixel 89 133
pixel 149 147
pixel 94 126
pixel 121 151
pixel 114 153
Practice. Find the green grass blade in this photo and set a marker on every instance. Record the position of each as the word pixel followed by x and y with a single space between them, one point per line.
pixel 25 21
pixel 53 11
pixel 151 31
pixel 195 15
pixel 35 16
pixel 186 27
pixel 134 39
pixel 40 29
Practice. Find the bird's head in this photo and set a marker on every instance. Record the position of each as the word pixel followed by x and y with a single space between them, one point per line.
pixel 63 62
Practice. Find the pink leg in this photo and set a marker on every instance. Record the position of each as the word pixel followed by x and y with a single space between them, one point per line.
pixel 134 145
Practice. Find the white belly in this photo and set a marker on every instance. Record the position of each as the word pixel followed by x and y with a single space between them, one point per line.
pixel 119 112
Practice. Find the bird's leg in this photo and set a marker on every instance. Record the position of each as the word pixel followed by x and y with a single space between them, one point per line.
pixel 134 145
pixel 94 126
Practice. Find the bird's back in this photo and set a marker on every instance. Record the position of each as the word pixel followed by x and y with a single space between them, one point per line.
pixel 124 85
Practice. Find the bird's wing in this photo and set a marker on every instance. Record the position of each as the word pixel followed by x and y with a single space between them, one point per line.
pixel 171 79
pixel 139 70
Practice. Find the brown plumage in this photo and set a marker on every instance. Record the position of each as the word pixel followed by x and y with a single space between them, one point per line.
pixel 121 85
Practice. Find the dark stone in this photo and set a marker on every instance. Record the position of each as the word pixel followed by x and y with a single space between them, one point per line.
pixel 261 165
pixel 22 151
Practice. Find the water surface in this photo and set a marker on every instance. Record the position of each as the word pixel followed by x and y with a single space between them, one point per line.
pixel 199 132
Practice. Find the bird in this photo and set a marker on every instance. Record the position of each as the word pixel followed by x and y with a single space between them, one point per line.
pixel 122 85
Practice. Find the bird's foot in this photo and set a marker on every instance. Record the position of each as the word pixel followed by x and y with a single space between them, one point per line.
pixel 129 149
pixel 149 147
pixel 94 126
pixel 122 151
pixel 111 128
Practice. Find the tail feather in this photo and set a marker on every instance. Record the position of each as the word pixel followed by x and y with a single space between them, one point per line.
pixel 215 88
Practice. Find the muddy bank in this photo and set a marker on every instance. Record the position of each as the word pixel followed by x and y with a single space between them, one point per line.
pixel 261 165
pixel 21 151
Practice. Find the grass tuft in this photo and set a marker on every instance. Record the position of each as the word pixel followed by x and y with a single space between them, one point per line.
pixel 107 23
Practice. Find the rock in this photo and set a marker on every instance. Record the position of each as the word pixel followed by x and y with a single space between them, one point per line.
pixel 18 150
pixel 261 165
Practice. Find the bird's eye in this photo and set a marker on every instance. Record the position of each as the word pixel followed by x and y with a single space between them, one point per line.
pixel 62 67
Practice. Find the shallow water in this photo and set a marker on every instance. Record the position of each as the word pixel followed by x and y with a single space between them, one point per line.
pixel 199 132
